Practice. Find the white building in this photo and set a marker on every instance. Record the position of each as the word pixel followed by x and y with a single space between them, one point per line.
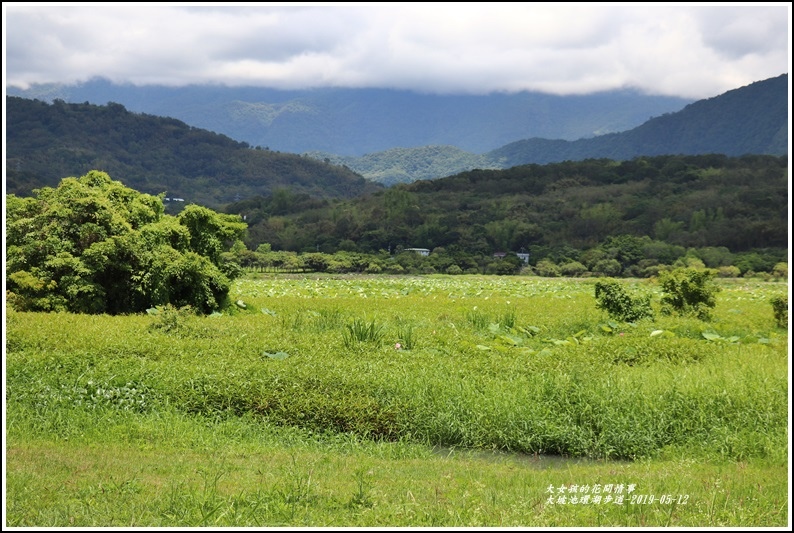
pixel 420 251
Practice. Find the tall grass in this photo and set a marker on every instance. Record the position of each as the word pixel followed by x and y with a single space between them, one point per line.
pixel 529 367
pixel 362 331
pixel 499 384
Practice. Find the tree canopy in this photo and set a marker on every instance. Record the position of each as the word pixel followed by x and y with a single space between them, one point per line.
pixel 93 245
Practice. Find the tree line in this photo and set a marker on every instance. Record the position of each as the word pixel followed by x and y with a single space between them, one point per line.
pixel 560 211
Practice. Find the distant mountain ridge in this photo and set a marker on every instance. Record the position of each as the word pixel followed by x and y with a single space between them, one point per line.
pixel 44 144
pixel 354 122
pixel 748 120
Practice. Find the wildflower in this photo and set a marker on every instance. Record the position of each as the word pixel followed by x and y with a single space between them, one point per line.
pixel 397 346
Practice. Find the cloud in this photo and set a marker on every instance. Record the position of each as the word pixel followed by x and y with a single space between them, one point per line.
pixel 695 52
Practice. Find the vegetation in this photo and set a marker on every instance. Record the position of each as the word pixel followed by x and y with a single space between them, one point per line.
pixel 689 291
pixel 263 416
pixel 46 142
pixel 92 245
pixel 780 308
pixel 404 165
pixel 614 218
pixel 150 383
pixel 612 298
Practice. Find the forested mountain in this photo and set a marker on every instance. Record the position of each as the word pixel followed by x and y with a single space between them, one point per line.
pixel 48 142
pixel 677 201
pixel 407 137
pixel 354 122
pixel 749 120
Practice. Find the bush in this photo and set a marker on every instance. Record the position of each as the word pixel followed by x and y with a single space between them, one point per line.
pixel 454 270
pixel 729 272
pixel 171 320
pixel 547 269
pixel 689 291
pixel 607 267
pixel 780 308
pixel 780 271
pixel 612 298
pixel 573 269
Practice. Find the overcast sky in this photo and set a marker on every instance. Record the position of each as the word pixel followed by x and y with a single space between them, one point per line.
pixel 681 50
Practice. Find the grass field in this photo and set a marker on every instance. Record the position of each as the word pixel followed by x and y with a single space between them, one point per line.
pixel 401 401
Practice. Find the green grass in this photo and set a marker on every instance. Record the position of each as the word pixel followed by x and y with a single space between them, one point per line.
pixel 301 410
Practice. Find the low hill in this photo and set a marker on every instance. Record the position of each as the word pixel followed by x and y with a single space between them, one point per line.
pixel 47 142
pixel 404 165
pixel 685 201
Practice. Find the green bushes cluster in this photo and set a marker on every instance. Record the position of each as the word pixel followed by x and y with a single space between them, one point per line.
pixel 92 245
pixel 686 291
pixel 689 291
pixel 612 298
pixel 780 309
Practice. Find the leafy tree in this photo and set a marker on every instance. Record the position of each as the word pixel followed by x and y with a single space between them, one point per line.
pixel 689 291
pixel 92 245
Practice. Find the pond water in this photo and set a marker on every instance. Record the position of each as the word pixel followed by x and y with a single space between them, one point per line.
pixel 538 461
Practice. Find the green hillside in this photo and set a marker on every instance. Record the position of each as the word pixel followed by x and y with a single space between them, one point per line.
pixel 47 142
pixel 740 203
pixel 404 165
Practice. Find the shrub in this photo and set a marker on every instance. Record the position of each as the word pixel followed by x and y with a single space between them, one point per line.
pixel 547 269
pixel 780 271
pixel 454 270
pixel 780 308
pixel 729 272
pixel 689 291
pixel 373 268
pixel 612 298
pixel 607 267
pixel 171 320
pixel 573 269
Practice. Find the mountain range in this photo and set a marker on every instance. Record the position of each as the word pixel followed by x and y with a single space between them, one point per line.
pixel 748 120
pixel 46 142
pixel 355 122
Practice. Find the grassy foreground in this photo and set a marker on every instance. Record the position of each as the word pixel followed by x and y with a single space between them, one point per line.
pixel 299 409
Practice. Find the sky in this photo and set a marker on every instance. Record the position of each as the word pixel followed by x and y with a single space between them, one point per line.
pixel 687 50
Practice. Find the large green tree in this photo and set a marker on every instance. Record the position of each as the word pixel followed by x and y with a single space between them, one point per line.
pixel 93 245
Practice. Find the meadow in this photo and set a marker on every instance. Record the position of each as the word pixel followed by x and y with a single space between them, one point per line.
pixel 401 401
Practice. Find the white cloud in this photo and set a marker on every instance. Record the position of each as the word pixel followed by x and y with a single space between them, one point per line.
pixel 696 51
